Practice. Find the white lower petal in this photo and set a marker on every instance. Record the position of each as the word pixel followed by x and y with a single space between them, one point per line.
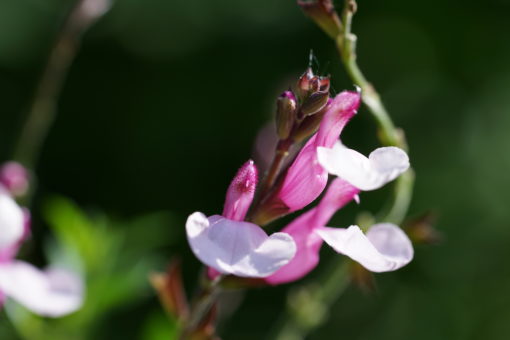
pixel 50 293
pixel 384 248
pixel 382 166
pixel 238 248
pixel 11 221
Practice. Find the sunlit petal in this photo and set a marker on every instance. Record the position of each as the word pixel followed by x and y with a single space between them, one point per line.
pixel 238 248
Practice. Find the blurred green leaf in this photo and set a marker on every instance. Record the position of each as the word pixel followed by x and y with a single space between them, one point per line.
pixel 159 327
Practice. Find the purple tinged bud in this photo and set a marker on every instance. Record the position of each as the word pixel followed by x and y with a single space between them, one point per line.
pixel 303 84
pixel 285 114
pixel 14 178
pixel 421 230
pixel 315 84
pixel 324 14
pixel 314 103
pixel 310 124
pixel 324 84
pixel 240 192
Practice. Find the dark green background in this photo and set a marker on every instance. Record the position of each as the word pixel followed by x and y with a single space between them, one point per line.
pixel 166 96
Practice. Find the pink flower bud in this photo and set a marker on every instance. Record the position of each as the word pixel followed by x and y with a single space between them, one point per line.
pixel 285 114
pixel 240 192
pixel 14 177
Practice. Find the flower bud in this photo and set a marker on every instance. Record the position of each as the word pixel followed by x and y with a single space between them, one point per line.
pixel 14 178
pixel 315 84
pixel 310 124
pixel 240 192
pixel 170 290
pixel 362 278
pixel 324 14
pixel 303 84
pixel 314 103
pixel 285 114
pixel 421 230
pixel 324 84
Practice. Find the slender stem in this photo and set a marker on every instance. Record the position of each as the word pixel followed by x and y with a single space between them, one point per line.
pixel 388 133
pixel 282 151
pixel 42 111
pixel 201 307
pixel 402 195
pixel 346 44
pixel 308 305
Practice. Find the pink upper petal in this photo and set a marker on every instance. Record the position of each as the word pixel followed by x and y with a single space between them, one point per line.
pixel 341 109
pixel 240 192
pixel 305 179
pixel 50 293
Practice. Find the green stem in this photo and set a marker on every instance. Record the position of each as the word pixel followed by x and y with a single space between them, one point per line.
pixel 201 307
pixel 402 195
pixel 308 305
pixel 42 111
pixel 346 44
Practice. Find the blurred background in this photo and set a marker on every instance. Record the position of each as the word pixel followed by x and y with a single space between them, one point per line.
pixel 162 105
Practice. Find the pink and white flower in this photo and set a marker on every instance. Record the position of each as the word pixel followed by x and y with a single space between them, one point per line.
pixel 53 292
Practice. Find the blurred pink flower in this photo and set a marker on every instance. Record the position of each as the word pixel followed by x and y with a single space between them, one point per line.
pixel 52 292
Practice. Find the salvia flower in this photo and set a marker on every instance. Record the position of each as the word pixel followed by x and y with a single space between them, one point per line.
pixel 231 246
pixel 53 292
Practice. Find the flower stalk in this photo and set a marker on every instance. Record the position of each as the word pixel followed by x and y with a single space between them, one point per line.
pixel 42 111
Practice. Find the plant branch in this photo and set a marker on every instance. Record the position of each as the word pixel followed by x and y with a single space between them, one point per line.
pixel 42 111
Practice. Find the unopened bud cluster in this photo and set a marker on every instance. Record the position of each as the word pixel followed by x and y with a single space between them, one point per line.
pixel 299 112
